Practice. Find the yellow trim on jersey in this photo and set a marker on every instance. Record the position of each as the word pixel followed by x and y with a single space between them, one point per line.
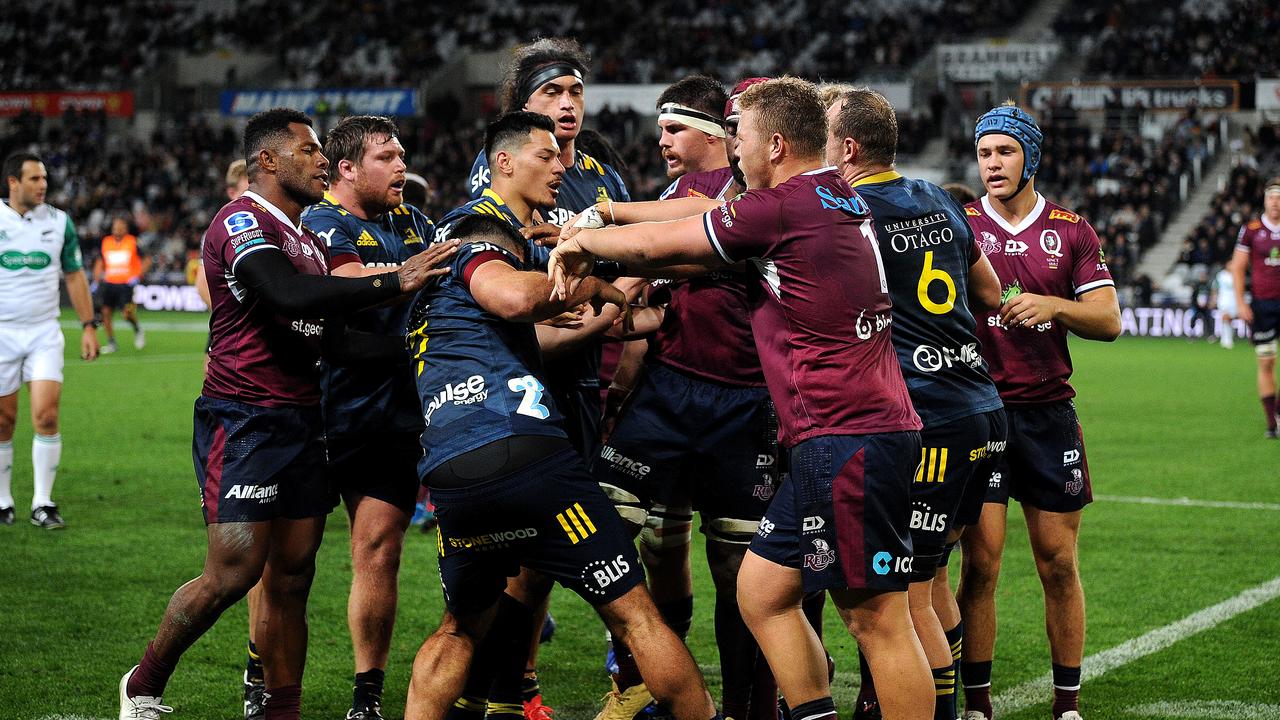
pixel 885 176
pixel 489 193
pixel 590 163
pixel 329 198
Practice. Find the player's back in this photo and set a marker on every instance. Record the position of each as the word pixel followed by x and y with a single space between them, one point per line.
pixel 927 250
pixel 821 313
pixel 255 355
pixel 1052 252
pixel 480 378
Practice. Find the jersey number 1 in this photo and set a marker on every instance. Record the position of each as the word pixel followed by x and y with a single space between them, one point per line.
pixel 530 404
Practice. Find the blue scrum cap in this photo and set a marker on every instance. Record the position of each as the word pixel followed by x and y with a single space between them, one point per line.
pixel 1019 125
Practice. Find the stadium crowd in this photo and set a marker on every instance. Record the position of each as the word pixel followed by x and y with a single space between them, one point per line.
pixel 1124 39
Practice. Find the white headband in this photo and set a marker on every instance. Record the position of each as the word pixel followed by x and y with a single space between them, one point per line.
pixel 695 119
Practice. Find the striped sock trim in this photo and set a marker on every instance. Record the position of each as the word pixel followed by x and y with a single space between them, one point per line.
pixel 46 439
pixel 1071 688
pixel 976 687
pixel 472 704
pixel 500 708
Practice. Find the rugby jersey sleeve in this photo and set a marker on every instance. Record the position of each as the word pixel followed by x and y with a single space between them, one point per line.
pixel 1089 269
pixel 328 222
pixel 745 227
pixel 71 258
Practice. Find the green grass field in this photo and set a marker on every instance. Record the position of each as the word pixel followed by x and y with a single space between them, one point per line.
pixel 1163 419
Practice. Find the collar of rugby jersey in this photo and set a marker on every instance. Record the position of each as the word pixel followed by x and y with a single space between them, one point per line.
pixel 885 176
pixel 277 212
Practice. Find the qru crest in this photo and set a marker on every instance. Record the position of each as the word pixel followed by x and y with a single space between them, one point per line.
pixel 821 557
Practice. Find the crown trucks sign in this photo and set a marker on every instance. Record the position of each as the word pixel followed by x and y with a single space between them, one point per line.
pixel 1176 95
pixel 54 104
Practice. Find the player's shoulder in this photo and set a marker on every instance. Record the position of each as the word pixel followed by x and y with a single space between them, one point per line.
pixel 1055 213
pixel 240 216
pixel 974 209
pixel 328 207
pixel 1253 225
pixel 709 184
pixel 591 165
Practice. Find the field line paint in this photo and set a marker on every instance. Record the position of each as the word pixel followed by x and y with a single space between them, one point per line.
pixel 1208 710
pixel 161 325
pixel 111 361
pixel 1098 664
pixel 1188 502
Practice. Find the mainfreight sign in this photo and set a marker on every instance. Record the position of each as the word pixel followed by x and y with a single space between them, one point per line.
pixel 335 101
pixel 1175 322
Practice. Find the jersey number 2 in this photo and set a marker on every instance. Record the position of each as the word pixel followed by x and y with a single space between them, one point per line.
pixel 530 404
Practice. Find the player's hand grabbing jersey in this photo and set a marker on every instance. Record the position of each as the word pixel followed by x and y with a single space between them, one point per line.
pixel 256 356
pixel 372 398
pixel 491 203
pixel 1053 252
pixel 478 376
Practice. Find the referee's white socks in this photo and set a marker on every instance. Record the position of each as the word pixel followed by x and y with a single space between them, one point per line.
pixel 46 452
pixel 6 474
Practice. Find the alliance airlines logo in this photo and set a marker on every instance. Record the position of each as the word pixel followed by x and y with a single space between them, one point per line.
pixel 261 493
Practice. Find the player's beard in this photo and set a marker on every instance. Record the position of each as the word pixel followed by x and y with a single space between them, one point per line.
pixel 298 186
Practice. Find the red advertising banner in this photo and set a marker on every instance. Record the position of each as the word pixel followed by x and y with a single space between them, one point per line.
pixel 54 104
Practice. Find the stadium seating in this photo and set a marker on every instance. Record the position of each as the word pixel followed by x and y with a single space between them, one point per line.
pixel 1230 39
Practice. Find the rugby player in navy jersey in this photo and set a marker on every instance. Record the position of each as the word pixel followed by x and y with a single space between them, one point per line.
pixel 1055 280
pixel 526 178
pixel 258 446
pixel 510 490
pixel 371 415
pixel 936 272
pixel 547 77
pixel 820 316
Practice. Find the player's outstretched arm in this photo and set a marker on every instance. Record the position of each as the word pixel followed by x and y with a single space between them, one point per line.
pixel 609 212
pixel 293 294
pixel 646 249
pixel 523 296
pixel 1094 316
pixel 82 301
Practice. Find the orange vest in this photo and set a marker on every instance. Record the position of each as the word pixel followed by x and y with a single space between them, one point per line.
pixel 120 259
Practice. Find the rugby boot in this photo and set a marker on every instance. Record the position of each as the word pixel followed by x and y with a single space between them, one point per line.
pixel 141 707
pixel 624 704
pixel 47 517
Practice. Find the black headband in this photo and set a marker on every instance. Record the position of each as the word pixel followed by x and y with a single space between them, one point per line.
pixel 545 75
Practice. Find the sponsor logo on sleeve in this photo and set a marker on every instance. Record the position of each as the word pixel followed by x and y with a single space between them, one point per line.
pixel 239 222
pixel 1064 215
pixel 972 212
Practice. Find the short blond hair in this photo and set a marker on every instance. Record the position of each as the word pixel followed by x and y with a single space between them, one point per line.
pixel 793 108
pixel 236 171
pixel 831 92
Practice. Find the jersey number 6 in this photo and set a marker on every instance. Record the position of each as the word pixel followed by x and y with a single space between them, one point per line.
pixel 929 275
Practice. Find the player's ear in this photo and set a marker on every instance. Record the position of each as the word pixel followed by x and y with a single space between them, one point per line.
pixel 503 161
pixel 267 160
pixel 850 150
pixel 347 170
pixel 777 145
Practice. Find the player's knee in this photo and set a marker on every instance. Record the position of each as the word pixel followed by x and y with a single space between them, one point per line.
pixel 1058 570
pixel 45 421
pixel 629 506
pixel 666 529
pixel 378 554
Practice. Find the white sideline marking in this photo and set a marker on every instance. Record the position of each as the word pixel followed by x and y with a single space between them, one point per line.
pixel 162 325
pixel 71 717
pixel 1188 502
pixel 1209 710
pixel 1098 664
